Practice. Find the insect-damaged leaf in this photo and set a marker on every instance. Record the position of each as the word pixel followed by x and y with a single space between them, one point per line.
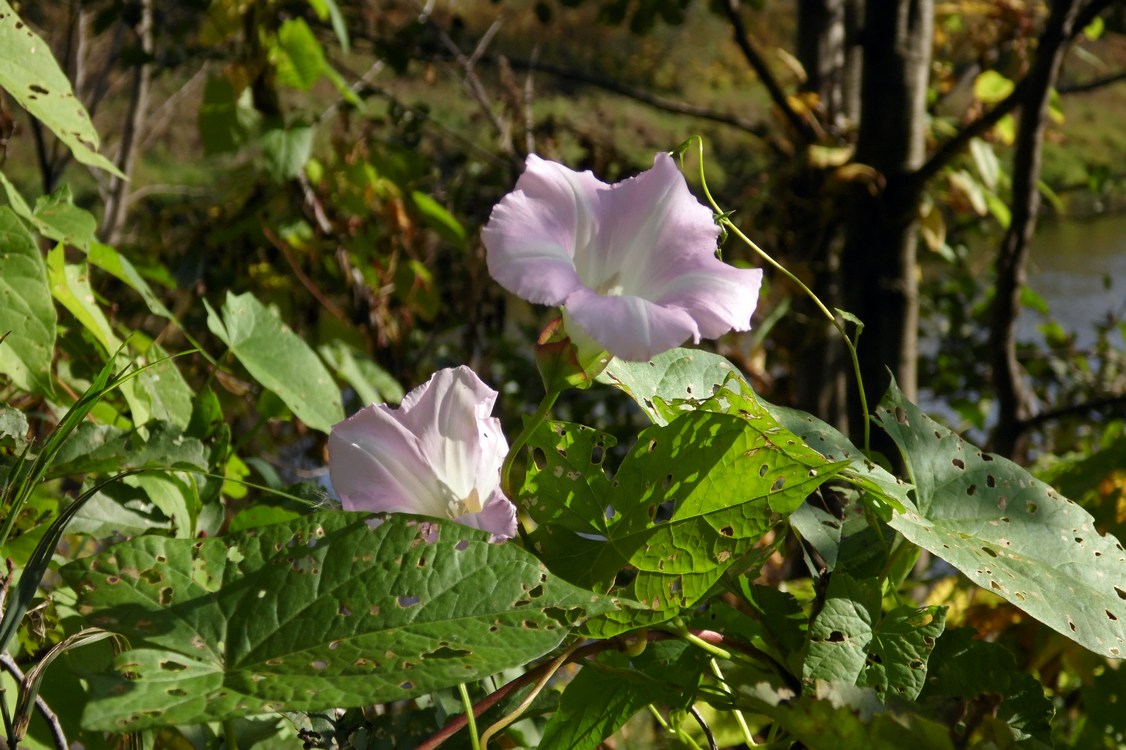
pixel 1009 532
pixel 689 501
pixel 322 611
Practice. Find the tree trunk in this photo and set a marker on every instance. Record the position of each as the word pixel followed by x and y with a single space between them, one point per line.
pixel 811 236
pixel 878 263
pixel 1014 398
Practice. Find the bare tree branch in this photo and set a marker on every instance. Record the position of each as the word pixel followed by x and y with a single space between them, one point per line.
pixel 130 132
pixel 945 153
pixel 1014 396
pixel 646 97
pixel 1103 405
pixel 808 132
pixel 1092 85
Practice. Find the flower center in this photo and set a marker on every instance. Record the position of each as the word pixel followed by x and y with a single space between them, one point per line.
pixel 470 504
pixel 611 287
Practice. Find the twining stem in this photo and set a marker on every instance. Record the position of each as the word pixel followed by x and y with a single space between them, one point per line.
pixel 729 226
pixel 500 726
pixel 742 722
pixel 471 720
pixel 521 440
pixel 674 731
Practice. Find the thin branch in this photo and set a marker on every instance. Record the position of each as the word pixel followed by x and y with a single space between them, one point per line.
pixel 325 302
pixel 130 132
pixel 171 106
pixel 808 132
pixel 49 716
pixel 471 81
pixel 695 713
pixel 1092 85
pixel 645 97
pixel 1098 404
pixel 961 140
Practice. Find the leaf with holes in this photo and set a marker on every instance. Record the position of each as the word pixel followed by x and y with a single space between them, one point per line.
pixel 678 374
pixel 1009 532
pixel 35 80
pixel 965 668
pixel 884 491
pixel 900 651
pixel 690 500
pixel 320 612
pixel 840 634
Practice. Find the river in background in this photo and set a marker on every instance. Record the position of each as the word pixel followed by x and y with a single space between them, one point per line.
pixel 1079 268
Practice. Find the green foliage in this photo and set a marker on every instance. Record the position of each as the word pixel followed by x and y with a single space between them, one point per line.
pixel 31 76
pixel 278 359
pixel 1008 532
pixel 319 612
pixel 27 316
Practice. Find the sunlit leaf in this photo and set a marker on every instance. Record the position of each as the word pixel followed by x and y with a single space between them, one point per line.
pixel 1009 532
pixel 611 689
pixel 30 74
pixel 690 499
pixel 320 612
pixel 991 87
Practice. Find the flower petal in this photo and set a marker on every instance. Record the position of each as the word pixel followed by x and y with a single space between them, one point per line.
pixel 532 233
pixel 375 465
pixel 720 298
pixel 449 414
pixel 631 328
pixel 497 517
pixel 651 227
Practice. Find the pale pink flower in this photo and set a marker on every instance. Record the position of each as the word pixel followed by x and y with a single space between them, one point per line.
pixel 633 263
pixel 439 454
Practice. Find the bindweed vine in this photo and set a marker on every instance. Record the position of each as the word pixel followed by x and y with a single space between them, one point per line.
pixel 739 574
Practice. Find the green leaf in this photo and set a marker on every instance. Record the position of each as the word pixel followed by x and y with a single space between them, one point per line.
pixel 321 612
pixel 965 667
pixel 988 165
pixel 439 219
pixel 840 634
pixel 884 491
pixel 297 55
pixel 70 285
pixel 94 448
pixel 611 689
pixel 844 717
pixel 690 499
pixel 278 359
pixel 13 427
pixel 373 384
pixel 991 87
pixel 900 650
pixel 57 218
pixel 330 10
pixel 285 150
pixel 30 74
pixel 227 119
pixel 675 374
pixel 27 314
pixel 118 266
pixel 1009 532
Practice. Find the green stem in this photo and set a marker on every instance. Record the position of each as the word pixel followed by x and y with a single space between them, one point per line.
pixel 470 719
pixel 742 722
pixel 521 440
pixel 728 225
pixel 229 736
